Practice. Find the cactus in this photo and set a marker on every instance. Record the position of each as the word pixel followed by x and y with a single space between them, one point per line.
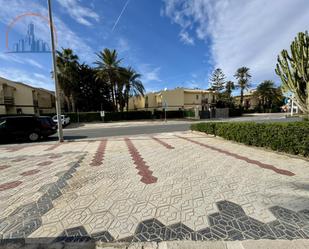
pixel 294 70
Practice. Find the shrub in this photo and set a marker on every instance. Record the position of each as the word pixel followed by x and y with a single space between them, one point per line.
pixel 169 114
pixel 235 112
pixel 290 137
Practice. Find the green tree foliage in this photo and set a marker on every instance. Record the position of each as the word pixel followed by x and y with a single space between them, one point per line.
pixel 108 86
pixel 108 70
pixel 217 80
pixel 270 97
pixel 133 86
pixel 243 76
pixel 293 69
pixel 67 66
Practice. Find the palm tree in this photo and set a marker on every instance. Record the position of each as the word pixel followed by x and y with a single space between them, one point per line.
pixel 67 65
pixel 243 76
pixel 108 70
pixel 268 94
pixel 229 87
pixel 133 85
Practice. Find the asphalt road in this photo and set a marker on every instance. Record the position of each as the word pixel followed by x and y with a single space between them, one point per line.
pixel 124 131
pixel 77 133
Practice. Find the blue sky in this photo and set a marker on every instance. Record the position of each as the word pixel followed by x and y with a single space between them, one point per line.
pixel 170 42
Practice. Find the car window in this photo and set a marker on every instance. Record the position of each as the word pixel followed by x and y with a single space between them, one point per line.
pixel 2 123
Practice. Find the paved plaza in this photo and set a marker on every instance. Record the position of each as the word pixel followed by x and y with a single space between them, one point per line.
pixel 169 186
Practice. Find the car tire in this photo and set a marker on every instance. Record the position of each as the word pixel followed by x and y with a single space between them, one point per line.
pixel 34 136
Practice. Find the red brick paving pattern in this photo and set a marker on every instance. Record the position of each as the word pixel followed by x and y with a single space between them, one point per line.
pixel 55 156
pixel 45 163
pixel 166 145
pixel 18 160
pixel 55 146
pixel 9 185
pixel 246 159
pixel 15 148
pixel 143 169
pixel 30 172
pixel 99 155
pixel 2 167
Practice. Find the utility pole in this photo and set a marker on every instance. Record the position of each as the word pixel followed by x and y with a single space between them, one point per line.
pixel 57 94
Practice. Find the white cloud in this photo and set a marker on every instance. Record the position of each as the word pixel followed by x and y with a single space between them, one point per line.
pixel 33 79
pixel 81 14
pixel 34 63
pixel 123 45
pixel 242 33
pixel 19 59
pixel 185 38
pixel 149 74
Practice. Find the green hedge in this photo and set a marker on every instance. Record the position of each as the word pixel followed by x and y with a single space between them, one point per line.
pixel 170 114
pixel 291 137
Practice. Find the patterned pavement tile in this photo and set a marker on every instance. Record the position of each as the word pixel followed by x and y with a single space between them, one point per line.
pixel 166 187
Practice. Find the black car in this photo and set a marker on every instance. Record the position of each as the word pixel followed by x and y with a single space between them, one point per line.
pixel 29 128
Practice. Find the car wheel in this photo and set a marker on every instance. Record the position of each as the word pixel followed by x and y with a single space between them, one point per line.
pixel 34 136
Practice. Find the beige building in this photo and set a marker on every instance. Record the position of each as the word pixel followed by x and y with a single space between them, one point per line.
pixel 250 101
pixel 19 98
pixel 176 99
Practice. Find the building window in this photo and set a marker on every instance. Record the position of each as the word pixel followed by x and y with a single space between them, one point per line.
pixel 196 97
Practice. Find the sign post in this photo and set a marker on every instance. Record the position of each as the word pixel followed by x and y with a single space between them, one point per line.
pixel 165 107
pixel 102 114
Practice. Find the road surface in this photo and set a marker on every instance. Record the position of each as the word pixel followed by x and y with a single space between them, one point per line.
pixel 128 128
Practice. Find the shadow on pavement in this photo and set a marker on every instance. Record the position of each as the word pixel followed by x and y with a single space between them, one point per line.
pixel 65 138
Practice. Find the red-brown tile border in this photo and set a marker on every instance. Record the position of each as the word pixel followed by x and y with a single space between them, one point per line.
pixel 2 167
pixel 166 145
pixel 143 169
pixel 9 185
pixel 99 155
pixel 30 172
pixel 243 158
pixel 55 146
pixel 45 163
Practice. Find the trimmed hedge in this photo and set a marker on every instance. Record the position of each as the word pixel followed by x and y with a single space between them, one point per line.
pixel 290 137
pixel 169 114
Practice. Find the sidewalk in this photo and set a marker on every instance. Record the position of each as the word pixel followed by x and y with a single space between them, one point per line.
pixel 249 244
pixel 163 187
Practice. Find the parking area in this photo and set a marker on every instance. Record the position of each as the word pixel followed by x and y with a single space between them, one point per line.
pixel 178 185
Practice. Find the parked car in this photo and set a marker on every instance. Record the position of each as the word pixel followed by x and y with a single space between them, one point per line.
pixel 29 128
pixel 65 120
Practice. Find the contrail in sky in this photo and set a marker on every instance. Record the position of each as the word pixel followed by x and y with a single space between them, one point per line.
pixel 121 13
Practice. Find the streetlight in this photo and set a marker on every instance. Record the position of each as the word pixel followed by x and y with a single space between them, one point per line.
pixel 57 95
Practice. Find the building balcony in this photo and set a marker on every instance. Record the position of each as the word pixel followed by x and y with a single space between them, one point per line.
pixel 8 100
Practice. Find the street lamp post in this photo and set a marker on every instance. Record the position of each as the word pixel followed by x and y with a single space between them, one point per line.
pixel 57 94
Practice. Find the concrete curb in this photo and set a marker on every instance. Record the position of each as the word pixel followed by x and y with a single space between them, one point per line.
pixel 248 244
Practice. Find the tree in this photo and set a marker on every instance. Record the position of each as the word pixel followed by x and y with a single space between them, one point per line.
pixel 227 94
pixel 107 68
pixel 293 69
pixel 217 80
pixel 133 85
pixel 243 76
pixel 229 87
pixel 67 66
pixel 94 94
pixel 269 95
